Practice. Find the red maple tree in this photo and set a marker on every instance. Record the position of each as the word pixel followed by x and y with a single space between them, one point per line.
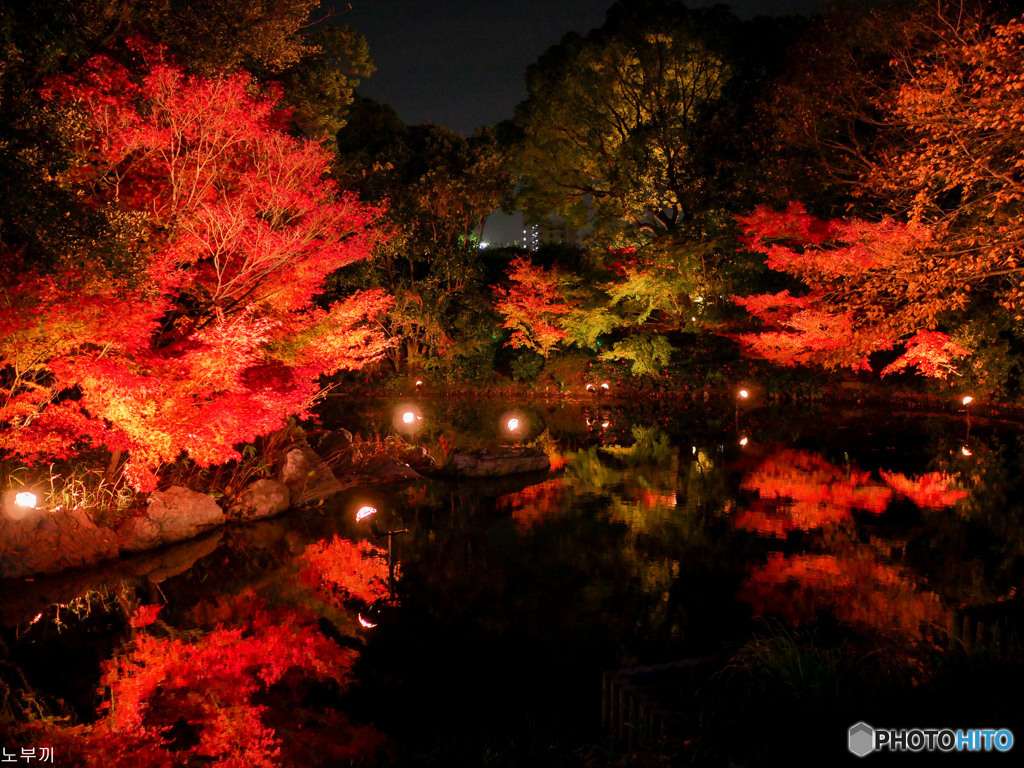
pixel 866 292
pixel 197 328
pixel 533 306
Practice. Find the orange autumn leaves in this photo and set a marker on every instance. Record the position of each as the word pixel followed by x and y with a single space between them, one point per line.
pixel 799 490
pixel 208 329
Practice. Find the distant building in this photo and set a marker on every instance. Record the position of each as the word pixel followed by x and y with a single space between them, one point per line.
pixel 531 237
pixel 554 232
pixel 502 229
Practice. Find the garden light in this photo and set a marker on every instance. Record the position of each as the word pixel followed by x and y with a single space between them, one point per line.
pixel 513 424
pixel 744 441
pixel 365 623
pixel 419 383
pixel 744 394
pixel 365 512
pixel 590 387
pixel 965 451
pixel 604 385
pixel 407 418
pixel 967 400
pixel 26 499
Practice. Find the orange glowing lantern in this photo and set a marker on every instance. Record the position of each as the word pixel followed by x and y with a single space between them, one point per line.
pixel 365 512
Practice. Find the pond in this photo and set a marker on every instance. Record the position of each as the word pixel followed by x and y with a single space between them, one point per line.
pixel 684 573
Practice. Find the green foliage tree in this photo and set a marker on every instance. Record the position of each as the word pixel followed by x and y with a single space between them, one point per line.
pixel 439 188
pixel 642 134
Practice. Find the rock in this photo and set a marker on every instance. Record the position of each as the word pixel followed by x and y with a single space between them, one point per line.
pixel 43 541
pixel 263 498
pixel 390 471
pixel 173 515
pixel 497 462
pixel 418 458
pixel 335 442
pixel 307 475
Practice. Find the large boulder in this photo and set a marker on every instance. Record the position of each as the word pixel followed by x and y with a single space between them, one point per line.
pixel 263 498
pixel 334 443
pixel 496 462
pixel 43 541
pixel 307 475
pixel 173 515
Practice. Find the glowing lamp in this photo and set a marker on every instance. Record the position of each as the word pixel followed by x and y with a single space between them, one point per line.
pixel 968 400
pixel 694 319
pixel 744 394
pixel 604 385
pixel 693 450
pixel 965 451
pixel 26 499
pixel 365 512
pixel 513 425
pixel 605 424
pixel 408 417
pixel 419 383
pixel 744 441
pixel 366 623
pixel 590 387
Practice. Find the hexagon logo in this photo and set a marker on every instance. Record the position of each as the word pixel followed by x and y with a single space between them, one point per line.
pixel 862 739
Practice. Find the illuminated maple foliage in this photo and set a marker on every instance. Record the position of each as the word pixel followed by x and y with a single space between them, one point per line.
pixel 533 306
pixel 201 331
pixel 865 294
pixel 959 171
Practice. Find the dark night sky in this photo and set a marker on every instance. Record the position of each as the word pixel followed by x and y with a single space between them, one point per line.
pixel 461 63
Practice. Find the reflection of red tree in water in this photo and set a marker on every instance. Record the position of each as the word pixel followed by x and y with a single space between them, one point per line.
pixel 930 491
pixel 854 587
pixel 341 569
pixel 195 697
pixel 799 490
pixel 818 494
pixel 535 503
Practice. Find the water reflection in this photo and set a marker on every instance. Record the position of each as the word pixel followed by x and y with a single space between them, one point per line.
pixel 653 538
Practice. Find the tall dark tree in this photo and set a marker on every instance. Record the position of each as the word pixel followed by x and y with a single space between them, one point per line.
pixel 439 188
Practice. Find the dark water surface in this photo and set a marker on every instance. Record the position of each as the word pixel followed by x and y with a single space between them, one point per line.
pixel 830 566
